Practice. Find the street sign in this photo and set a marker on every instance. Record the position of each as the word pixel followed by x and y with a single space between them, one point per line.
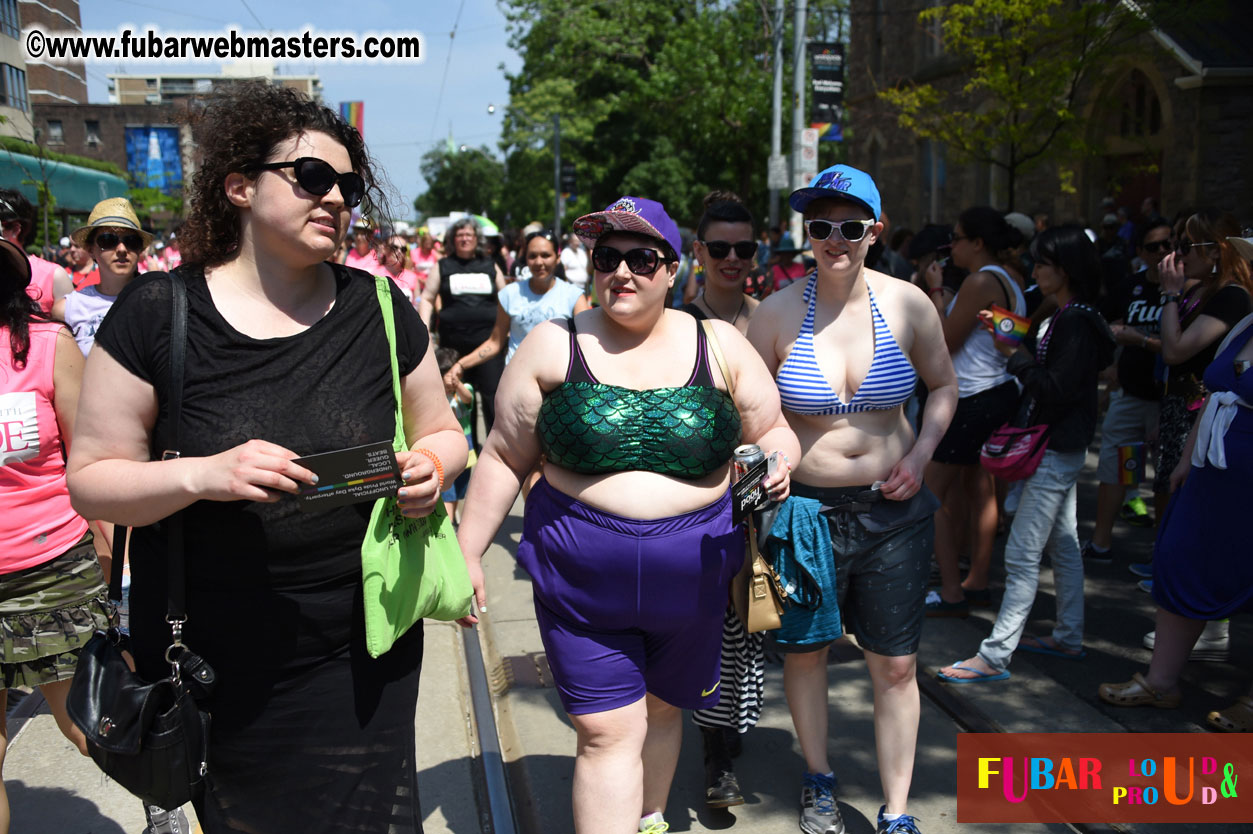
pixel 776 173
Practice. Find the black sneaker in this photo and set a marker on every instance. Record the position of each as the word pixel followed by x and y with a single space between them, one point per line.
pixel 161 821
pixel 1136 513
pixel 1096 557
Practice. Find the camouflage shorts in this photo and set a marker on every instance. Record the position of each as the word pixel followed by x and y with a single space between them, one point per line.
pixel 47 613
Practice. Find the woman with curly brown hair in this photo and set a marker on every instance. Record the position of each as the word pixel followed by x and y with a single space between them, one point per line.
pixel 287 356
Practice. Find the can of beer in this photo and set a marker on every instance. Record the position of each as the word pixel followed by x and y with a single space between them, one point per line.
pixel 746 457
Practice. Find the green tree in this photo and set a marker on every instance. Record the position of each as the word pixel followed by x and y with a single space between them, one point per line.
pixel 667 99
pixel 470 180
pixel 1024 68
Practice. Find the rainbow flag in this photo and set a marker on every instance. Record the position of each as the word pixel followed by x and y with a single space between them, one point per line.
pixel 1007 327
pixel 828 131
pixel 353 112
pixel 1131 464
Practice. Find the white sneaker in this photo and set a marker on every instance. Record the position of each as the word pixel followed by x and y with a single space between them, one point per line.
pixel 1211 646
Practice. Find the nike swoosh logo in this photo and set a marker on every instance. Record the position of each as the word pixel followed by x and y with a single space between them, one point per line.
pixel 711 690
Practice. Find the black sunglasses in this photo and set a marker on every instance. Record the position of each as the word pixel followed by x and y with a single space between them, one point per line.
pixel 110 240
pixel 1184 246
pixel 318 177
pixel 640 261
pixel 1152 246
pixel 850 230
pixel 719 249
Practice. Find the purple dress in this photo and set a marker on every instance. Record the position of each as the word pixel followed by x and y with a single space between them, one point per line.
pixel 1201 569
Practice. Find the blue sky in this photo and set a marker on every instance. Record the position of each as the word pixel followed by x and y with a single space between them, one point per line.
pixel 400 99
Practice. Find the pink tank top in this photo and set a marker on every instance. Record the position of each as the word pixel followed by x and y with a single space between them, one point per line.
pixel 40 287
pixel 37 523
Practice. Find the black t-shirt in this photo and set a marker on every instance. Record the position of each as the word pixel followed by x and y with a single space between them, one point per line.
pixel 1138 304
pixel 326 388
pixel 1229 304
pixel 467 290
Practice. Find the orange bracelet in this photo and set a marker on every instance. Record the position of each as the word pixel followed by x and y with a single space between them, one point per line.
pixel 439 467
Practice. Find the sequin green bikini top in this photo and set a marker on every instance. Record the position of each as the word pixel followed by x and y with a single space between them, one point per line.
pixel 592 428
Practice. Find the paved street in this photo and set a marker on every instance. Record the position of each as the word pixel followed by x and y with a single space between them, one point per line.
pixel 52 789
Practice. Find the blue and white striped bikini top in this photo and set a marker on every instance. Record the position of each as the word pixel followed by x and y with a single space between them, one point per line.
pixel 804 390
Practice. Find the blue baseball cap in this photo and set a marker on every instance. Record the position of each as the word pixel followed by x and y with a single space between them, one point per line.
pixel 630 214
pixel 842 182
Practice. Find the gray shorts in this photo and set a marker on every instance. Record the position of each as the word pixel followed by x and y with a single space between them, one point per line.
pixel 1127 420
pixel 882 553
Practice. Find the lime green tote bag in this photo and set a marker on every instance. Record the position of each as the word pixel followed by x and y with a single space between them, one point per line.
pixel 411 568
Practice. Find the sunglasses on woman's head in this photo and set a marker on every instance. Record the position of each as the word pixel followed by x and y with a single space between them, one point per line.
pixel 110 240
pixel 850 230
pixel 719 249
pixel 1184 246
pixel 1154 246
pixel 640 261
pixel 544 233
pixel 318 177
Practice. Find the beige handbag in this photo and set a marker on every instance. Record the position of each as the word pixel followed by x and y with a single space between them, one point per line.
pixel 754 590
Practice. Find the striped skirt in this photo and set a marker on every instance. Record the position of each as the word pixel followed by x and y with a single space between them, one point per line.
pixel 743 679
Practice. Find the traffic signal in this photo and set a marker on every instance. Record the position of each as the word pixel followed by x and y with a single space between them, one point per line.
pixel 568 180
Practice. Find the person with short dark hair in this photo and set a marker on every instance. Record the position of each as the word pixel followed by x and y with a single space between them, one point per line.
pixel 981 243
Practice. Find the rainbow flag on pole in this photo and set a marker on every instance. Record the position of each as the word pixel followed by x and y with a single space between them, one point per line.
pixel 1131 464
pixel 353 112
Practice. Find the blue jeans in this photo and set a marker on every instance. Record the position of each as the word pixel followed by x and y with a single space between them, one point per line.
pixel 1045 517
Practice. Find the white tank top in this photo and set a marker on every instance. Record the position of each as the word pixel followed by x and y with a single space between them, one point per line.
pixel 84 310
pixel 979 366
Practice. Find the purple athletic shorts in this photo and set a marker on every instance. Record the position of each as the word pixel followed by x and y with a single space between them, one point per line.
pixel 626 606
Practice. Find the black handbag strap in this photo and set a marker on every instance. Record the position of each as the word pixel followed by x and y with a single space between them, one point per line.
pixel 176 605
pixel 177 591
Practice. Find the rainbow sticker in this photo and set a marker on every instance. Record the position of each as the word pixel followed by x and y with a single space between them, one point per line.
pixel 1008 327
pixel 1131 464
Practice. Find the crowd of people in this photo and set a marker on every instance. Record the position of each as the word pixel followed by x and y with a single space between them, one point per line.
pixel 614 374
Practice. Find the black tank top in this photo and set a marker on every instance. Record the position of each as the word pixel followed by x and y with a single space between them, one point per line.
pixel 467 290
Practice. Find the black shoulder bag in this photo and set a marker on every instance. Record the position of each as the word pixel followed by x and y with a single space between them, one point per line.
pixel 150 738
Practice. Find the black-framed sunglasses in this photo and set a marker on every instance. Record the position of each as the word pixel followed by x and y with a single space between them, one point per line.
pixel 318 177
pixel 719 249
pixel 640 261
pixel 110 240
pixel 850 230
pixel 1155 246
pixel 1184 246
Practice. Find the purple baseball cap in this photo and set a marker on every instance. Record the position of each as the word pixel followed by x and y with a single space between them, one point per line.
pixel 843 182
pixel 630 214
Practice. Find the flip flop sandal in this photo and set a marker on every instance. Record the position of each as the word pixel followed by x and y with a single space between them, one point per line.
pixel 980 677
pixel 1137 693
pixel 1237 718
pixel 1038 646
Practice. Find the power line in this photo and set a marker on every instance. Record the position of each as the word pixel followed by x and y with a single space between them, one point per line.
pixel 447 62
pixel 244 3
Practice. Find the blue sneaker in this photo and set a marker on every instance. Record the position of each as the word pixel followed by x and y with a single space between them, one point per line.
pixel 904 824
pixel 819 813
pixel 1145 585
pixel 1144 570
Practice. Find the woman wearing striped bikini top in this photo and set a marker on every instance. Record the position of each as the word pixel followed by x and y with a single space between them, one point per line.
pixel 847 346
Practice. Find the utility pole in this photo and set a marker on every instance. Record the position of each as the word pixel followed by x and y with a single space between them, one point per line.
pixel 776 124
pixel 557 206
pixel 798 111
